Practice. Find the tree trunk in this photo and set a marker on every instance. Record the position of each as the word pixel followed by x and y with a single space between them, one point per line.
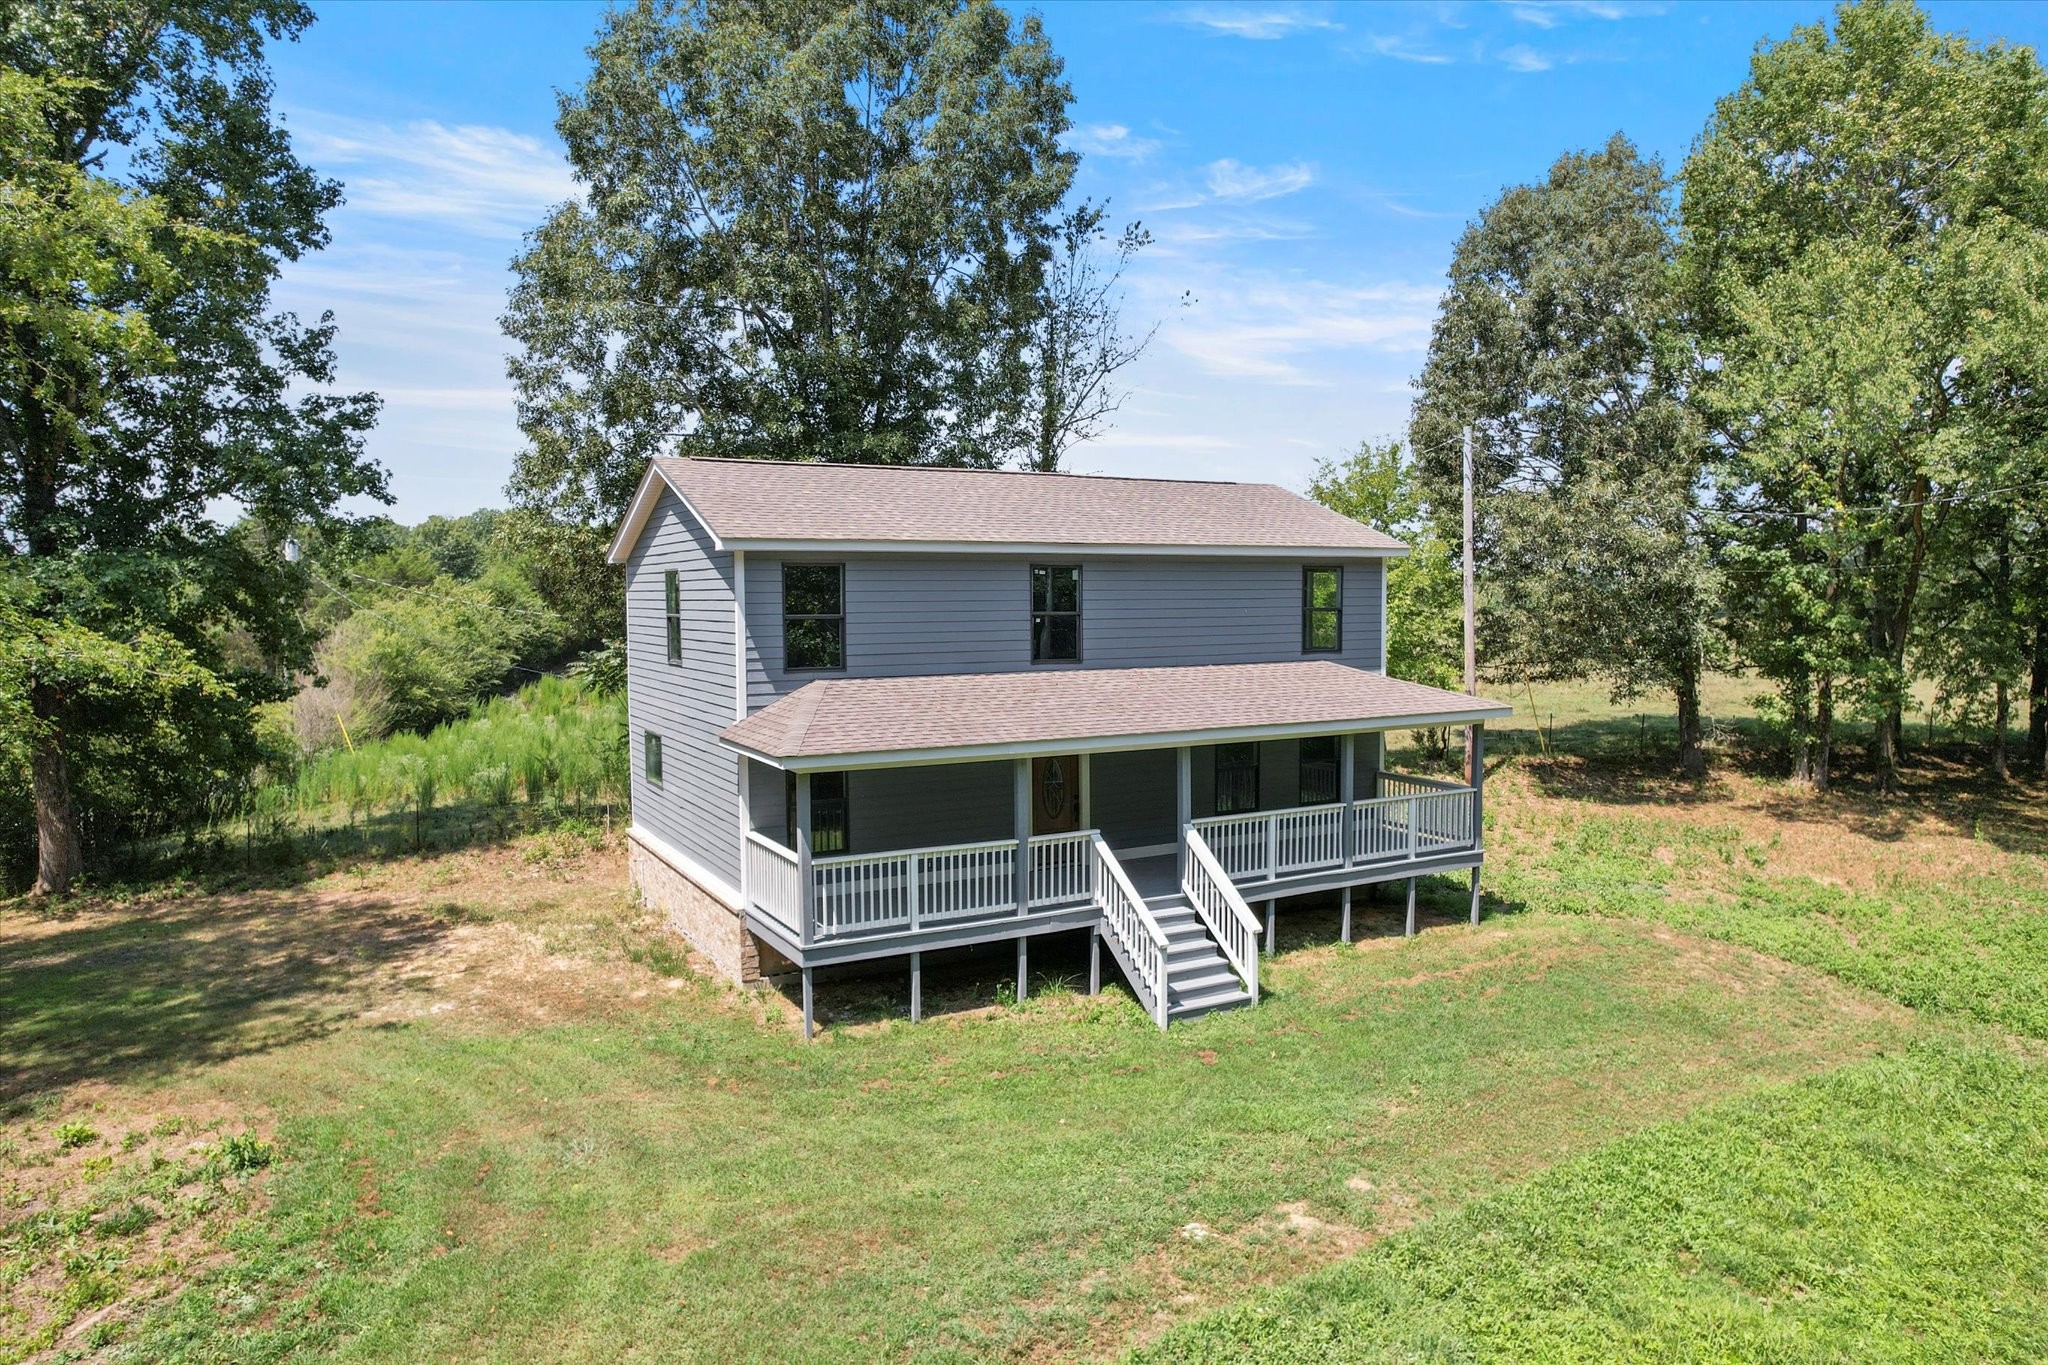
pixel 2037 702
pixel 1884 752
pixel 2001 717
pixel 1800 725
pixel 1823 733
pixel 57 856
pixel 1692 747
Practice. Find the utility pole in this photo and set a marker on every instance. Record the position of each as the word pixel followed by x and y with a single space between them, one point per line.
pixel 1471 641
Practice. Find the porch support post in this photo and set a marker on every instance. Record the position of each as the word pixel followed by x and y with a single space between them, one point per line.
pixel 1347 786
pixel 1477 739
pixel 1020 802
pixel 1094 962
pixel 808 1031
pixel 1087 792
pixel 1272 906
pixel 1344 932
pixel 916 987
pixel 1183 807
pixel 1410 931
pixel 746 794
pixel 806 892
pixel 1023 965
pixel 1475 897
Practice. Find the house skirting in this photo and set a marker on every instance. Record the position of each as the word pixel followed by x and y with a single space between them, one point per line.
pixel 712 927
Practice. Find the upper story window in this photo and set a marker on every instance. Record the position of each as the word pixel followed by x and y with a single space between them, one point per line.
pixel 673 593
pixel 813 617
pixel 1055 613
pixel 1237 778
pixel 1322 609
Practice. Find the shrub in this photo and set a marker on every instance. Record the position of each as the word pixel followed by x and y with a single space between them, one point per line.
pixel 76 1134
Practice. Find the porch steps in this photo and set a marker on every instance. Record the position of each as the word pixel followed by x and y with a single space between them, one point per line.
pixel 1198 977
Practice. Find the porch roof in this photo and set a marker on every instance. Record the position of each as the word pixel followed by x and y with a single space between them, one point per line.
pixel 878 722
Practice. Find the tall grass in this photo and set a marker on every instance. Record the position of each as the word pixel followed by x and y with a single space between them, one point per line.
pixel 553 750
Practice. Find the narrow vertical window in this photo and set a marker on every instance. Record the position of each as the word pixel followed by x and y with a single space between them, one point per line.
pixel 813 617
pixel 653 758
pixel 829 823
pixel 1322 609
pixel 1319 770
pixel 674 609
pixel 1055 613
pixel 1237 778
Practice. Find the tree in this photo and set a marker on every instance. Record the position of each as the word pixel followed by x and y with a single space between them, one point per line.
pixel 1079 343
pixel 144 380
pixel 1425 627
pixel 1560 344
pixel 1857 218
pixel 811 230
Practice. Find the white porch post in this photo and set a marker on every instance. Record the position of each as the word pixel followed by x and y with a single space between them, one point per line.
pixel 1347 786
pixel 916 987
pixel 746 795
pixel 1344 930
pixel 806 893
pixel 1020 803
pixel 1477 740
pixel 1410 931
pixel 1183 806
pixel 1272 914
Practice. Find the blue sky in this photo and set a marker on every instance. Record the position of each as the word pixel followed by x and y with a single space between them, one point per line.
pixel 1305 169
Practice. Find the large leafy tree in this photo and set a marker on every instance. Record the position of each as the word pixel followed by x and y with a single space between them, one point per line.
pixel 146 386
pixel 1863 248
pixel 1560 345
pixel 811 229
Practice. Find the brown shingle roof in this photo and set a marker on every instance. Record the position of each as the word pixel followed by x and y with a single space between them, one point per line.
pixel 1085 708
pixel 764 500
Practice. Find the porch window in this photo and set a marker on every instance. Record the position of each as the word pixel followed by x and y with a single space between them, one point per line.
pixel 1322 609
pixel 674 594
pixel 1237 778
pixel 651 757
pixel 1055 613
pixel 813 617
pixel 1319 776
pixel 828 813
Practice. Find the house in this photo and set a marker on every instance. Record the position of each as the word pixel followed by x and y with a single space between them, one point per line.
pixel 879 712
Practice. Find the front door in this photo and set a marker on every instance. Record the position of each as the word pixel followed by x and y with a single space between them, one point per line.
pixel 1055 795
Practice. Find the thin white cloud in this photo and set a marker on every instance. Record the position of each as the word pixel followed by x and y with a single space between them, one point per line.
pixel 1111 140
pixel 1400 49
pixel 479 178
pixel 1542 16
pixel 1294 332
pixel 1234 181
pixel 1522 57
pixel 1257 23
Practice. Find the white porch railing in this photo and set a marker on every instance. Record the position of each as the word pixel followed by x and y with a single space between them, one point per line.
pixel 916 888
pixel 1139 938
pixel 1229 920
pixel 1419 818
pixel 771 881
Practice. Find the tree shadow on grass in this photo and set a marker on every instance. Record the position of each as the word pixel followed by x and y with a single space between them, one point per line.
pixel 136 992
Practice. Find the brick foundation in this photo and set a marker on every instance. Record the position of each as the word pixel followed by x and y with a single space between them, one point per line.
pixel 712 927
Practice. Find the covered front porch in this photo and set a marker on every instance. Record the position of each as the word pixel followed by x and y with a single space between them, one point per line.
pixel 1159 849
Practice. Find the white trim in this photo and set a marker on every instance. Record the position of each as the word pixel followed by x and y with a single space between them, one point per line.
pixel 1386 626
pixel 1082 550
pixel 969 753
pixel 717 887
pixel 645 499
pixel 739 634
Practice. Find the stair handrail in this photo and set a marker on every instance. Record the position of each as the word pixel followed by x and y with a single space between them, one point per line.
pixel 1223 910
pixel 1138 934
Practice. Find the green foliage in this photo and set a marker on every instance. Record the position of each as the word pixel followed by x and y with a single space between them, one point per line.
pixel 75 1133
pixel 1865 245
pixel 153 199
pixel 240 1153
pixel 1425 595
pixel 811 231
pixel 1560 344
pixel 603 669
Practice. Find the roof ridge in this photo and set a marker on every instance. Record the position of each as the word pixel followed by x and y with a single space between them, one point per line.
pixel 966 469
pixel 807 699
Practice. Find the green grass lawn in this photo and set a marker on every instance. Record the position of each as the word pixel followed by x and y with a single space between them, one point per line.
pixel 1728 1073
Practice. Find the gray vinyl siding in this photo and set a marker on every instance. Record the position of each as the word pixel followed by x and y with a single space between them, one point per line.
pixel 923 614
pixel 946 803
pixel 1132 797
pixel 696 807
